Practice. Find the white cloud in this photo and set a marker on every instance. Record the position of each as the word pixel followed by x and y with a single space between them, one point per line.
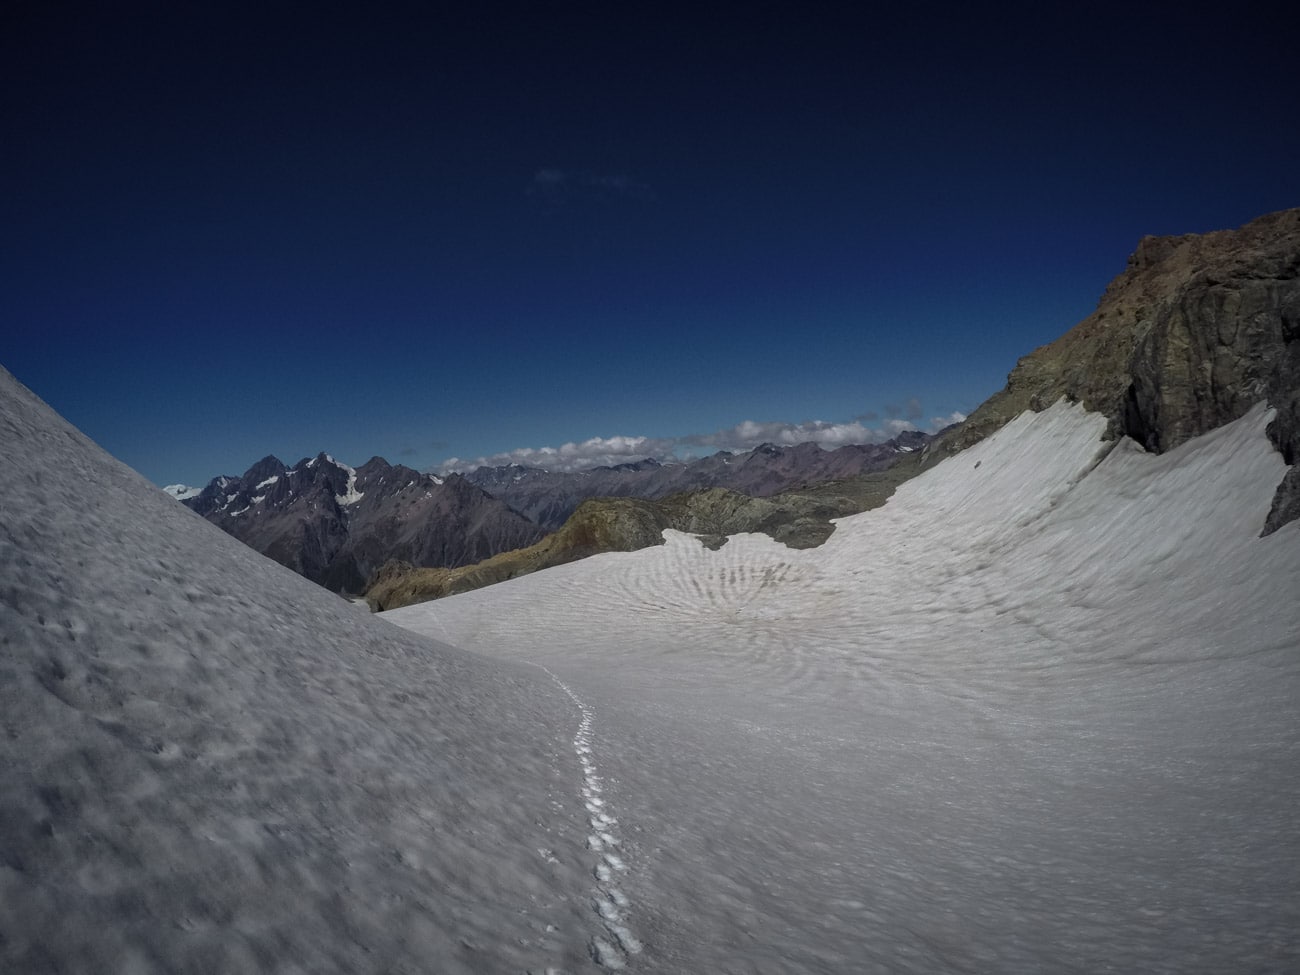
pixel 937 423
pixel 746 435
pixel 572 456
pixel 749 434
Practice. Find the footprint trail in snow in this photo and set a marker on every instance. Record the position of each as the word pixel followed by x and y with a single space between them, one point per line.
pixel 608 902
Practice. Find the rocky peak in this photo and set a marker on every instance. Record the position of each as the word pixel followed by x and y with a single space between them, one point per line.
pixel 909 440
pixel 645 464
pixel 268 467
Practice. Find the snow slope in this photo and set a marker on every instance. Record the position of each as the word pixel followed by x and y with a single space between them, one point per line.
pixel 209 764
pixel 1038 713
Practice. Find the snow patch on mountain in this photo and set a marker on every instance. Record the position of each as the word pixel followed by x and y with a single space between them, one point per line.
pixel 350 495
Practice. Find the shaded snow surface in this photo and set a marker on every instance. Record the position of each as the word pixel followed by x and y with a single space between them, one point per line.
pixel 208 764
pixel 1038 713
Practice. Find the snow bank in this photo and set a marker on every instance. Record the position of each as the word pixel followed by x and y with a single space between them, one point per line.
pixel 212 765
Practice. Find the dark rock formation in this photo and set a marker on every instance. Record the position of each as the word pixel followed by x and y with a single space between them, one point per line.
pixel 336 525
pixel 1195 331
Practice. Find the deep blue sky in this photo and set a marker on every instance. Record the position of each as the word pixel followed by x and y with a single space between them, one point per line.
pixel 228 232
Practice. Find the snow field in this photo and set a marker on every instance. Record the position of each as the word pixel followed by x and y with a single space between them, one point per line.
pixel 1036 713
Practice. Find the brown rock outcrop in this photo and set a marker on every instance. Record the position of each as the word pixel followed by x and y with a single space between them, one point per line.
pixel 1196 330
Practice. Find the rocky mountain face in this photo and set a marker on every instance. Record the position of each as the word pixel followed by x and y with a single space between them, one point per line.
pixel 1196 330
pixel 549 498
pixel 335 524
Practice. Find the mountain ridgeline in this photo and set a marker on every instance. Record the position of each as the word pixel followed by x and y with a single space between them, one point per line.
pixel 1196 330
pixel 338 525
pixel 550 497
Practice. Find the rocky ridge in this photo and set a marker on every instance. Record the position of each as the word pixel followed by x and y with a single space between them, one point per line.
pixel 1196 330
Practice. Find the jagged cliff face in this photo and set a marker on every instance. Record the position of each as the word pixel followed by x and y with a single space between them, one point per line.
pixel 335 524
pixel 1195 331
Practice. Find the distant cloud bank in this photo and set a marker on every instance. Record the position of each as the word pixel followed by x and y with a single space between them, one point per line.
pixel 746 435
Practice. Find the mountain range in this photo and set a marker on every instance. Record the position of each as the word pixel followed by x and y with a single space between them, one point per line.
pixel 548 498
pixel 337 525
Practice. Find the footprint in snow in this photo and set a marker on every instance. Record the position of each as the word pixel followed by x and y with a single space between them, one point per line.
pixel 609 903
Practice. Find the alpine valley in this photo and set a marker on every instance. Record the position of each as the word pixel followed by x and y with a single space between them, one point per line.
pixel 1033 711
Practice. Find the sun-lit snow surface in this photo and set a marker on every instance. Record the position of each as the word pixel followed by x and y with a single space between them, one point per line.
pixel 1038 713
pixel 208 764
